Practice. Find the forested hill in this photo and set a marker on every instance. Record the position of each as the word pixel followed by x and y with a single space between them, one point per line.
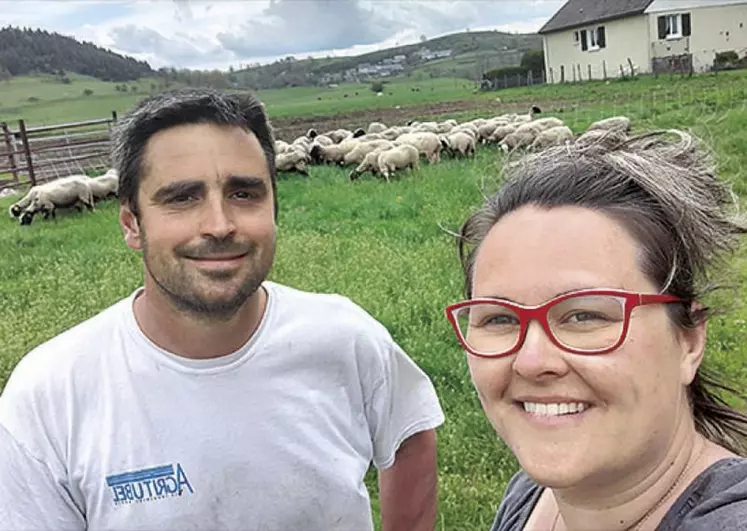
pixel 26 51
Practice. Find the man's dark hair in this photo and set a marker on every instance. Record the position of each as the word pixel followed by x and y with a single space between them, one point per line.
pixel 183 107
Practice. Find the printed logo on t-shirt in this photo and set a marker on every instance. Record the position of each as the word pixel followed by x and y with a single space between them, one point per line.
pixel 149 484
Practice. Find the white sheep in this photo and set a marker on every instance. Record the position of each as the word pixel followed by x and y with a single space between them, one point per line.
pixel 398 158
pixel 376 127
pixel 334 153
pixel 370 163
pixel 615 123
pixel 67 192
pixel 280 146
pixel 104 186
pixel 16 208
pixel 291 161
pixel 555 136
pixel 428 144
pixel 460 142
pixel 502 132
pixel 360 151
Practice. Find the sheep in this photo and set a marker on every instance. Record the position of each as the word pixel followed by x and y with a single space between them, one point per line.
pixel 292 160
pixel 66 192
pixel 428 144
pixel 546 123
pixel 104 186
pixel 502 132
pixel 16 208
pixel 427 127
pixel 281 146
pixel 334 153
pixel 323 140
pixel 617 123
pixel 459 142
pixel 555 136
pixel 369 163
pixel 371 136
pixel 339 135
pixel 358 133
pixel 398 158
pixel 360 151
pixel 518 139
pixel 376 127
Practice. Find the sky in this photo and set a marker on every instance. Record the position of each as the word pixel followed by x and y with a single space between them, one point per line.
pixel 203 34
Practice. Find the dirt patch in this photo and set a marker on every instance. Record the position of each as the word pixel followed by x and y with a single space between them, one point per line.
pixel 289 128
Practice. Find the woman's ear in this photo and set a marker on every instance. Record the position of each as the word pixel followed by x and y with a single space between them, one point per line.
pixel 692 342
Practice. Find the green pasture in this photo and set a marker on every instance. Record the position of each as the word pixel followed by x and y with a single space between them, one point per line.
pixel 383 245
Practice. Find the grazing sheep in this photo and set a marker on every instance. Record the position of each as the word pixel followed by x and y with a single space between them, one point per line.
pixel 615 123
pixel 555 136
pixel 370 163
pixel 67 192
pixel 547 123
pixel 339 135
pixel 280 146
pixel 358 133
pixel 16 208
pixel 502 132
pixel 460 142
pixel 428 144
pixel 104 186
pixel 360 151
pixel 324 140
pixel 311 133
pixel 519 139
pixel 398 158
pixel 291 161
pixel 331 154
pixel 376 127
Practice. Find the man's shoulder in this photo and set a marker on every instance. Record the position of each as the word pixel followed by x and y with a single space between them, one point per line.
pixel 716 500
pixel 67 351
pixel 325 307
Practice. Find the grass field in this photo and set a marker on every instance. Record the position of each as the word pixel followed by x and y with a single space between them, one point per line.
pixel 382 246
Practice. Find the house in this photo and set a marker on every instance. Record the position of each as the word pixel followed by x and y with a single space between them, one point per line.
pixel 600 39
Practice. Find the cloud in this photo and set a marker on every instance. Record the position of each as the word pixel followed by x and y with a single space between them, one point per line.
pixel 292 27
pixel 216 34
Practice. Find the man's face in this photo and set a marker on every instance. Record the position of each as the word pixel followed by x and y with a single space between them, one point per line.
pixel 206 225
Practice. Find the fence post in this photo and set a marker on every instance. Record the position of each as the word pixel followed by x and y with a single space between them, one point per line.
pixel 27 151
pixel 632 70
pixel 114 116
pixel 589 65
pixel 604 69
pixel 562 73
pixel 530 78
pixel 11 149
pixel 552 76
pixel 580 77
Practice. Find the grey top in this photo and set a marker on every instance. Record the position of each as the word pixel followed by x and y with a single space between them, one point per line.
pixel 717 499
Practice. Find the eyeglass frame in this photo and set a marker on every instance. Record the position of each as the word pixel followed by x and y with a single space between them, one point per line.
pixel 540 313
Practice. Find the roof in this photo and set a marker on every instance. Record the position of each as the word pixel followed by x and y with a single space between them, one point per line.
pixel 581 12
pixel 658 6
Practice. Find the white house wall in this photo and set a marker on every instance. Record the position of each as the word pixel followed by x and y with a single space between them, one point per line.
pixel 626 38
pixel 714 29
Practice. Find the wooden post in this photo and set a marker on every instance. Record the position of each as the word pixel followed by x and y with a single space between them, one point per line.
pixel 622 71
pixel 27 151
pixel 580 77
pixel 632 70
pixel 11 148
pixel 589 65
pixel 562 73
pixel 552 76
pixel 114 116
pixel 604 69
pixel 574 73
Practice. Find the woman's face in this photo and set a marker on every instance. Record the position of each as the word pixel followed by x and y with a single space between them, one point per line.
pixel 635 397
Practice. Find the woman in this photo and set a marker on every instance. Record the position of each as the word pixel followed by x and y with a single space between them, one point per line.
pixel 585 332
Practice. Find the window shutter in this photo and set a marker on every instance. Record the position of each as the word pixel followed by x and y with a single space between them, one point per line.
pixel 601 37
pixel 662 28
pixel 584 42
pixel 686 25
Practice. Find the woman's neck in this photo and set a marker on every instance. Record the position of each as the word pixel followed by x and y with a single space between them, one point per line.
pixel 642 506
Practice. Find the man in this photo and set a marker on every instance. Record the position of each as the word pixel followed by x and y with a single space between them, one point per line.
pixel 212 398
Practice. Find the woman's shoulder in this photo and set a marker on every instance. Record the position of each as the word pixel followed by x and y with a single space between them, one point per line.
pixel 717 499
pixel 518 502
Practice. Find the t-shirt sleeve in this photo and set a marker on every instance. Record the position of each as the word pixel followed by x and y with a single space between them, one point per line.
pixel 403 402
pixel 31 498
pixel 517 504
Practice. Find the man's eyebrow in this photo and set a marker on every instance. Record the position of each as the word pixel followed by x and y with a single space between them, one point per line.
pixel 243 181
pixel 177 188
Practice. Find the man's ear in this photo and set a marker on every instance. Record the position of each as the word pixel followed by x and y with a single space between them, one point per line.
pixel 692 342
pixel 130 227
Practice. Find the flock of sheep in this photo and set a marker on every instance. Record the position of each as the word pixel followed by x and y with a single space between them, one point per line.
pixel 74 191
pixel 384 150
pixel 380 149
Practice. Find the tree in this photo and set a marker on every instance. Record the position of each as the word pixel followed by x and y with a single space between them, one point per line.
pixel 534 61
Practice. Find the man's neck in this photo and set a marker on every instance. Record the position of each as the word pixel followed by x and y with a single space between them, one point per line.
pixel 186 335
pixel 643 505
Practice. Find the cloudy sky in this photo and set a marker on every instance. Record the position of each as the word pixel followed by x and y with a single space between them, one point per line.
pixel 216 34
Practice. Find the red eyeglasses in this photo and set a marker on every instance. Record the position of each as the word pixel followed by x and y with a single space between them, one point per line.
pixel 593 321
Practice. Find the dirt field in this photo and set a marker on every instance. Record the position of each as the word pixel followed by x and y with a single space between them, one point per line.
pixel 289 128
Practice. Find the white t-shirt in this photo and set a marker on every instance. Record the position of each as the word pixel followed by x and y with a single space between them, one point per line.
pixel 101 429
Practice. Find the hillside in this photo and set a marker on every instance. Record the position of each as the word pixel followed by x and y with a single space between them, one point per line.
pixel 466 54
pixel 26 51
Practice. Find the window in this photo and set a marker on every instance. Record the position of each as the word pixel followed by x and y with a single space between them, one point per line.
pixel 674 26
pixel 593 39
pixel 576 38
